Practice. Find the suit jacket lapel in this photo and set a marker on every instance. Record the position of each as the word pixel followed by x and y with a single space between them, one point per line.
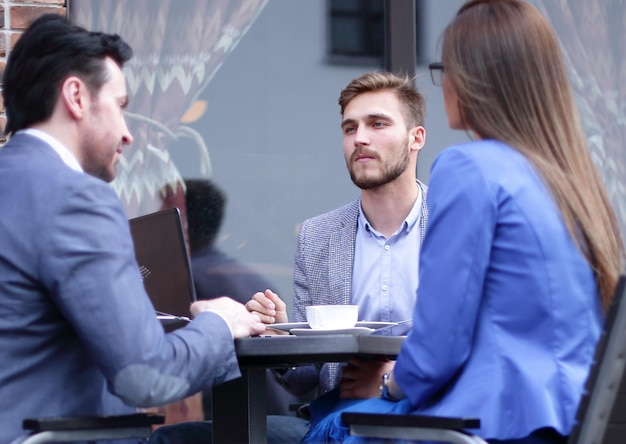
pixel 424 216
pixel 341 255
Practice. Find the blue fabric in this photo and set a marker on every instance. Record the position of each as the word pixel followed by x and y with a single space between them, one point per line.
pixel 508 315
pixel 326 425
pixel 78 334
pixel 384 278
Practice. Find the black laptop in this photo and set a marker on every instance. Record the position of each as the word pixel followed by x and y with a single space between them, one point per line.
pixel 164 265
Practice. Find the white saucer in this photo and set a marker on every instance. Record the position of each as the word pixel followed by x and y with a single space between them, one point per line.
pixel 286 326
pixel 357 331
pixel 374 324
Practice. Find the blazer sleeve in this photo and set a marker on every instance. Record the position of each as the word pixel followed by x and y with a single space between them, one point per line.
pixel 302 296
pixel 89 268
pixel 453 264
pixel 302 379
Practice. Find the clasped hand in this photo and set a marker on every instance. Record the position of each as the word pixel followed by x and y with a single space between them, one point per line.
pixel 268 307
pixel 360 378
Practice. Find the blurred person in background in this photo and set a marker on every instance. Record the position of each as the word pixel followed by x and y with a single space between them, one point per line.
pixel 217 274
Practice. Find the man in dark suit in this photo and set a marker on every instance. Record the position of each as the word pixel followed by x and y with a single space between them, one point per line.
pixel 78 334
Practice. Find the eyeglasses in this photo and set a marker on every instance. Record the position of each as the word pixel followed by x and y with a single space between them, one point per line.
pixel 436 72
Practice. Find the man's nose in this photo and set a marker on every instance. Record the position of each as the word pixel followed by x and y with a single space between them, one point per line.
pixel 127 137
pixel 361 136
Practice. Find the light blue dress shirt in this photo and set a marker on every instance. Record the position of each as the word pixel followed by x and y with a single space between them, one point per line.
pixel 385 275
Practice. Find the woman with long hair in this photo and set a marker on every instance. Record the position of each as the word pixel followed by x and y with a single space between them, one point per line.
pixel 522 251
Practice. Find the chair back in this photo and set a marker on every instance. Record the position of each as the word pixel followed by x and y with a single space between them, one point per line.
pixel 601 415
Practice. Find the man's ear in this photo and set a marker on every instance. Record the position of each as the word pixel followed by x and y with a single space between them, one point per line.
pixel 74 96
pixel 417 136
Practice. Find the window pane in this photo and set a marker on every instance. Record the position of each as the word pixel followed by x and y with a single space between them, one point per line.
pixel 347 36
pixel 346 5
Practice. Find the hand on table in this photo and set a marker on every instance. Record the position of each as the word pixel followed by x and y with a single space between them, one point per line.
pixel 268 307
pixel 360 378
pixel 241 322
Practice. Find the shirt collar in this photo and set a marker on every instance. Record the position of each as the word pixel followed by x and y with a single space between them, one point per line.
pixel 414 216
pixel 66 155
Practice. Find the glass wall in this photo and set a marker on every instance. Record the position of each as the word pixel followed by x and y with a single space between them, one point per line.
pixel 592 36
pixel 189 121
pixel 243 93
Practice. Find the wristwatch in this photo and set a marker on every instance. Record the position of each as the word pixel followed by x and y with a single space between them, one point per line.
pixel 384 387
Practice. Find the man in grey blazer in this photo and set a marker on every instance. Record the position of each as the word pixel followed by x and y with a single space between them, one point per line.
pixel 366 252
pixel 78 334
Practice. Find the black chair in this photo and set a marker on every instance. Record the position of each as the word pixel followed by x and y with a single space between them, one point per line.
pixel 601 414
pixel 93 428
pixel 413 427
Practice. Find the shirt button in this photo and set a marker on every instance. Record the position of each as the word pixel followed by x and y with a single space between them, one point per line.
pixel 387 247
pixel 385 287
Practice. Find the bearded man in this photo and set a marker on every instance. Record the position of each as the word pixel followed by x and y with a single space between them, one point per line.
pixel 367 252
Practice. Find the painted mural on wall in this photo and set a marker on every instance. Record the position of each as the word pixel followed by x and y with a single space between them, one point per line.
pixel 592 36
pixel 179 46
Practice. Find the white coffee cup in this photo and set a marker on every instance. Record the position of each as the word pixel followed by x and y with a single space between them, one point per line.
pixel 332 317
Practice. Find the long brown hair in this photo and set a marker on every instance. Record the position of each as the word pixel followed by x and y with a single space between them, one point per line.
pixel 504 62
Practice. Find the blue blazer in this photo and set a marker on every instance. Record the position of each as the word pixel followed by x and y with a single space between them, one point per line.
pixel 508 313
pixel 78 334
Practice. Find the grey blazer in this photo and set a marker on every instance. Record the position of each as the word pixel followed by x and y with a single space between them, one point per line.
pixel 323 275
pixel 78 334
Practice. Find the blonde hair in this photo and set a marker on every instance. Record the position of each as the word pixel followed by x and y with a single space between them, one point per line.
pixel 403 86
pixel 503 60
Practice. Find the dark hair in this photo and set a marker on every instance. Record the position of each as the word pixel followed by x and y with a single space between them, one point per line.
pixel 49 51
pixel 205 203
pixel 503 61
pixel 403 86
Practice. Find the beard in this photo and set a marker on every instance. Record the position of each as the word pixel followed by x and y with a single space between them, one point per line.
pixel 389 171
pixel 99 165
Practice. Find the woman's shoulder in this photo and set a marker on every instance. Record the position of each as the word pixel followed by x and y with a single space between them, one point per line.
pixel 482 155
pixel 478 149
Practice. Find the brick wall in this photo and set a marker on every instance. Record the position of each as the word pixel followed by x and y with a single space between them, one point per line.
pixel 15 15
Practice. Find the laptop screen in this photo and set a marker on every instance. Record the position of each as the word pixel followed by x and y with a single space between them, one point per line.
pixel 163 261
